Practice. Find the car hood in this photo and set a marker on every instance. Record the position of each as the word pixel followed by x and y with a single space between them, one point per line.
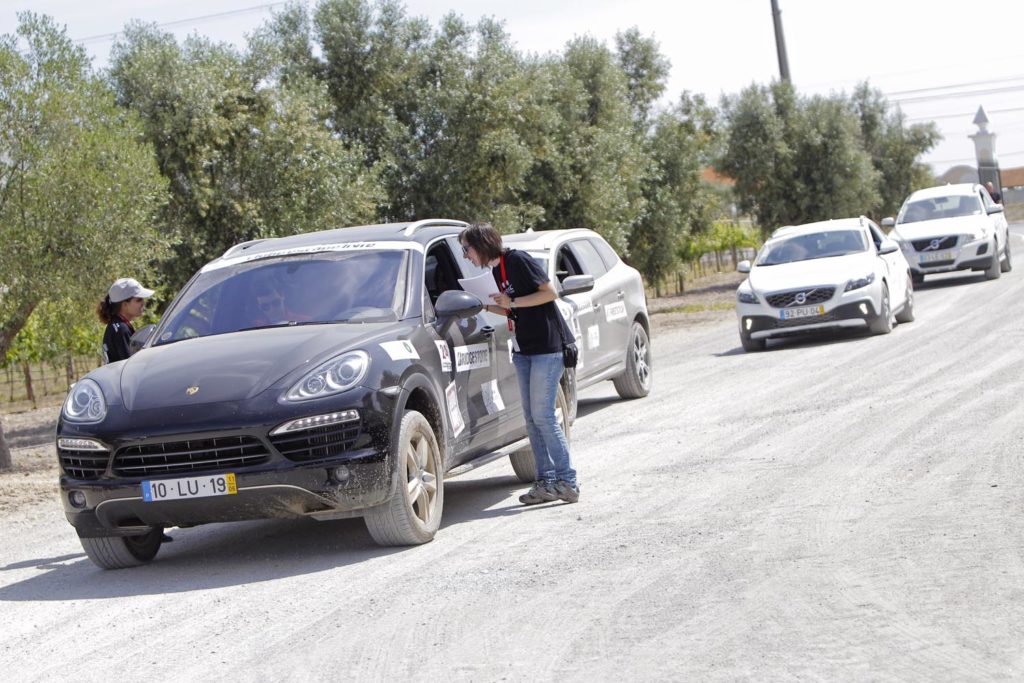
pixel 824 271
pixel 233 367
pixel 938 227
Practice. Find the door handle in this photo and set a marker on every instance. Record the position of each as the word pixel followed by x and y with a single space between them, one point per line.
pixel 621 295
pixel 487 331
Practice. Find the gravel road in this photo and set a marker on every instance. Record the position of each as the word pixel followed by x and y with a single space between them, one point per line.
pixel 844 508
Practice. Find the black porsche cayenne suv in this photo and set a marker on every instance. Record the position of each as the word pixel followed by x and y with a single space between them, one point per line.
pixel 333 374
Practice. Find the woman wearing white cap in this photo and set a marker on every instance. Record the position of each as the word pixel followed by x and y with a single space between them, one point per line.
pixel 123 304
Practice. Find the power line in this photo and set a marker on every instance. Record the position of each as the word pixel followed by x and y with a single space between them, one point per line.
pixel 966 93
pixel 185 22
pixel 965 114
pixel 955 85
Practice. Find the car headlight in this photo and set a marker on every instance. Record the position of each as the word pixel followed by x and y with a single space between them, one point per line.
pixel 860 282
pixel 978 234
pixel 333 377
pixel 746 297
pixel 85 403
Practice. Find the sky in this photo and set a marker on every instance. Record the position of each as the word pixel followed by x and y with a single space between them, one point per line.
pixel 938 59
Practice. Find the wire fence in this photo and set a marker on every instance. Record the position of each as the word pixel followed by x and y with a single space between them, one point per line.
pixel 711 262
pixel 24 385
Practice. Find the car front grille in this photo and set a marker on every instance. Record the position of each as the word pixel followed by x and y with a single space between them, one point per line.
pixel 798 322
pixel 195 455
pixel 321 442
pixel 814 295
pixel 947 242
pixel 83 464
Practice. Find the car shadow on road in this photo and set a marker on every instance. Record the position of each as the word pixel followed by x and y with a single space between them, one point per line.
pixel 589 406
pixel 952 280
pixel 823 338
pixel 205 557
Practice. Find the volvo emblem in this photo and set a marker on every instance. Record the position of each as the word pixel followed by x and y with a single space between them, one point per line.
pixel 800 298
pixel 191 391
pixel 934 244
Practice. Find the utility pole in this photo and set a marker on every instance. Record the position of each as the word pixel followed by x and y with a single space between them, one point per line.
pixel 780 41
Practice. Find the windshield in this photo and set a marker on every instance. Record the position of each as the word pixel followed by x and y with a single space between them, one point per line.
pixel 940 207
pixel 301 289
pixel 811 246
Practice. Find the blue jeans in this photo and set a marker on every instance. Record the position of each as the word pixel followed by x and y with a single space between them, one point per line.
pixel 538 385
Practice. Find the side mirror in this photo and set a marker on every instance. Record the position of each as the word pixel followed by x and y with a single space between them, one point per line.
pixel 455 303
pixel 995 208
pixel 576 284
pixel 889 222
pixel 140 338
pixel 888 247
pixel 743 266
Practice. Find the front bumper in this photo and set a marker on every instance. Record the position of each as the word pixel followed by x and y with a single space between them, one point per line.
pixel 755 323
pixel 974 255
pixel 273 479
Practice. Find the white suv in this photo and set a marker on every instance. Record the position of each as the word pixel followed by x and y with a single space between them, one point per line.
pixel 952 227
pixel 829 275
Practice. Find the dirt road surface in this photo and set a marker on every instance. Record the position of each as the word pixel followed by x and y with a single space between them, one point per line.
pixel 845 508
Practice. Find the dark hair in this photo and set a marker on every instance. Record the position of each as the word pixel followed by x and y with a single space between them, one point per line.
pixel 484 239
pixel 106 309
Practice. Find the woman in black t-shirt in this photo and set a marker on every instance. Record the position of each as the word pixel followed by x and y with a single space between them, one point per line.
pixel 527 297
pixel 123 304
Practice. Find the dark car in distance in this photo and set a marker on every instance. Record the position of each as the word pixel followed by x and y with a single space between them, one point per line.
pixel 334 374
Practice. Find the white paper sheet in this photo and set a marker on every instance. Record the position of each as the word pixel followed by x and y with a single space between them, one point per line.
pixel 481 286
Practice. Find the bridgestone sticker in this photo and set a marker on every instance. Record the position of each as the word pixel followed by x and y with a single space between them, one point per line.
pixel 472 357
pixel 399 350
pixel 444 354
pixel 615 311
pixel 451 398
pixel 492 397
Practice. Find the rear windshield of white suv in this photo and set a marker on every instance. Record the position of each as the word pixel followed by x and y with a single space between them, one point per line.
pixel 940 207
pixel 811 246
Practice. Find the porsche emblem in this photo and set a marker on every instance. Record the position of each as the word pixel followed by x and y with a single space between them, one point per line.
pixel 191 391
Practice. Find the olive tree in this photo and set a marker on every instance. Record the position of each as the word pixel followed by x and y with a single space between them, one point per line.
pixel 79 188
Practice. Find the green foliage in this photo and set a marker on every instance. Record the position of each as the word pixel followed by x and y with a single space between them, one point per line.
pixel 646 71
pixel 894 148
pixel 248 153
pixel 797 160
pixel 679 205
pixel 78 186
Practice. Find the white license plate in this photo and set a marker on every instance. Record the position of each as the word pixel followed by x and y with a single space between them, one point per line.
pixel 189 487
pixel 802 312
pixel 937 256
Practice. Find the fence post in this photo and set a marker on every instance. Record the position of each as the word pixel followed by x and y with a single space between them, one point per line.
pixel 69 370
pixel 31 395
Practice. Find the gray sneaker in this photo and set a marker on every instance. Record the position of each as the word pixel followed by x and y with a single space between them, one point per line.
pixel 570 493
pixel 540 492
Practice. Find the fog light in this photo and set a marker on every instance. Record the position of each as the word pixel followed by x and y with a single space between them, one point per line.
pixel 76 498
pixel 864 309
pixel 748 323
pixel 341 474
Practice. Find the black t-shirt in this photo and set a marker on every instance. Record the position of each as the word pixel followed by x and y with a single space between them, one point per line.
pixel 115 340
pixel 536 330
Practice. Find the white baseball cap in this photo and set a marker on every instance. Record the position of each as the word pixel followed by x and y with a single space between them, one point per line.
pixel 126 288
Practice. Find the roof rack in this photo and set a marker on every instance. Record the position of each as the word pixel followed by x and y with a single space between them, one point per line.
pixel 430 222
pixel 242 247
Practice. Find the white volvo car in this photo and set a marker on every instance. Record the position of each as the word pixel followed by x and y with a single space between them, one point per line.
pixel 952 227
pixel 830 275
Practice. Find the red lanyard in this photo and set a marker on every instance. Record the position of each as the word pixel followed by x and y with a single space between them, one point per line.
pixel 504 281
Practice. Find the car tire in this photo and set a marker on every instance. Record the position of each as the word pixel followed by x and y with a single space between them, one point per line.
pixel 906 314
pixel 635 382
pixel 1007 264
pixel 121 552
pixel 752 345
pixel 883 323
pixel 523 463
pixel 413 514
pixel 994 270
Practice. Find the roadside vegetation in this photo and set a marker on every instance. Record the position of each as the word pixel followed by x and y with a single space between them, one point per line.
pixel 355 112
